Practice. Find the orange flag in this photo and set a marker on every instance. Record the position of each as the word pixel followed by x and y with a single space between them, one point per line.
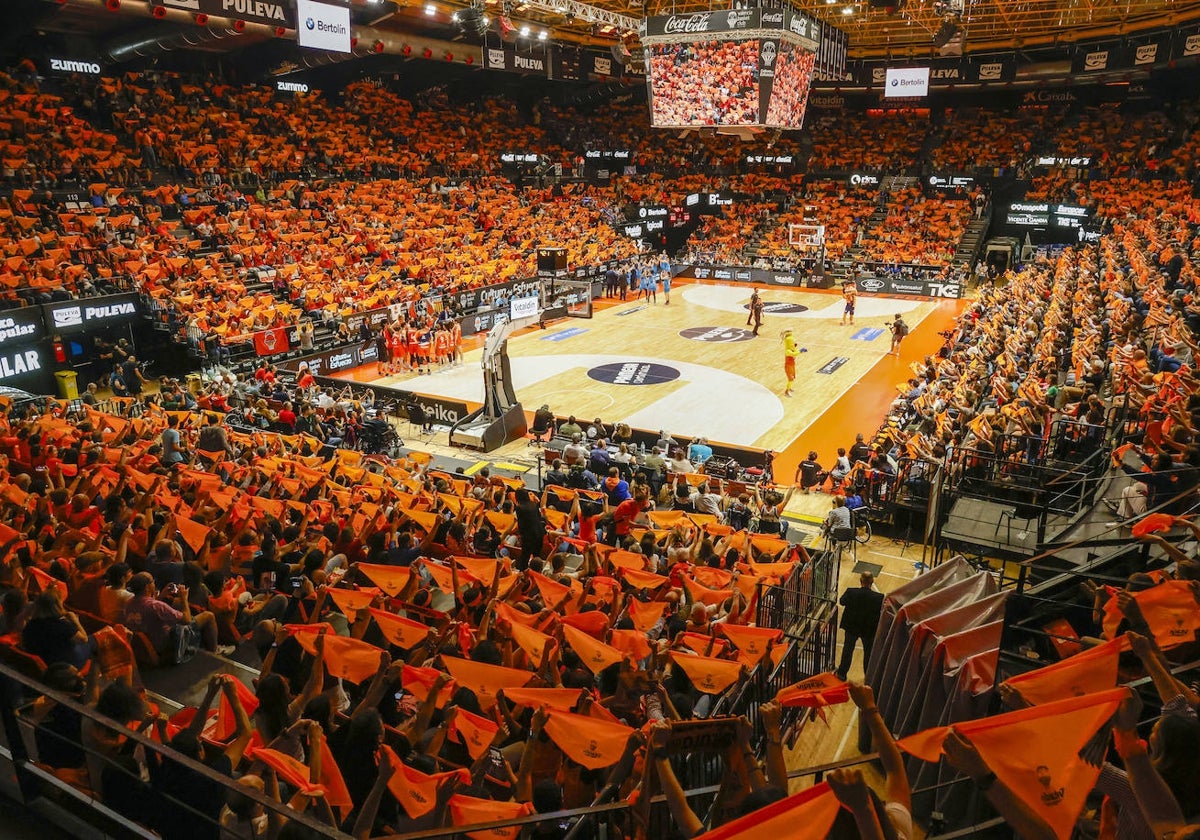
pixel 627 560
pixel 291 770
pixel 350 601
pixel 552 591
pixel 419 681
pixel 425 519
pixel 712 676
pixel 807 815
pixel 562 699
pixel 645 615
pixel 514 616
pixel 701 593
pixel 485 680
pixel 1169 608
pixel 815 692
pixel 752 642
pixel 586 740
pixel 193 533
pixel 529 640
pixel 47 582
pixel 336 792
pixel 703 644
pixel 475 732
pixel 468 811
pixel 226 721
pixel 484 571
pixel 1153 523
pixel 643 580
pixel 592 622
pixel 632 642
pixel 416 791
pixel 391 579
pixel 595 655
pixel 716 578
pixel 1086 672
pixel 442 576
pixel 350 659
pixel 400 631
pixel 1035 752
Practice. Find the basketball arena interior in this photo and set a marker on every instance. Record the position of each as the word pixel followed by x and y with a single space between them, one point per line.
pixel 559 420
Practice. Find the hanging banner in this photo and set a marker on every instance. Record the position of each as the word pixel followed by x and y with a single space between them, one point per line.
pixel 270 342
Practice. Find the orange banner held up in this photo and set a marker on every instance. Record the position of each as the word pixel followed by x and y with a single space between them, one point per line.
pixel 752 643
pixel 416 791
pixel 712 676
pixel 1035 752
pixel 336 792
pixel 1086 672
pixel 391 579
pixel 593 622
pixel 226 721
pixel 586 740
pixel 291 770
pixel 485 680
pixel 807 815
pixel 531 641
pixel 473 731
pixel 466 811
pixel 645 615
pixel 562 699
pixel 632 642
pixel 350 601
pixel 700 592
pixel 595 655
pixel 400 631
pixel 350 659
pixel 815 692
pixel 1169 608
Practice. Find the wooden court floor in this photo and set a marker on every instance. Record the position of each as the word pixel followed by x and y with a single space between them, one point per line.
pixel 692 367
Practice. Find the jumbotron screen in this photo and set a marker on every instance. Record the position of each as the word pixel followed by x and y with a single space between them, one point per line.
pixel 704 83
pixel 741 68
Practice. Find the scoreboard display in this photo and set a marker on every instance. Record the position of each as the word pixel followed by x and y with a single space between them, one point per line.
pixel 737 68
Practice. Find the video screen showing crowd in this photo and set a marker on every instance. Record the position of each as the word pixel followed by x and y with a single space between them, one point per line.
pixel 744 69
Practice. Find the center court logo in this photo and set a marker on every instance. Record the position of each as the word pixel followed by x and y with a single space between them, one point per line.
pixel 717 335
pixel 633 373
pixel 778 307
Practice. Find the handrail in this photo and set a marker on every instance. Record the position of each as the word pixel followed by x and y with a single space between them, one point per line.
pixel 22 762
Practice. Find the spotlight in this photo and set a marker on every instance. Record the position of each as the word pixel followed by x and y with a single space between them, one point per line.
pixel 112 5
pixel 430 9
pixel 427 53
pixel 239 26
pixel 377 46
pixel 202 19
pixel 449 56
pixel 280 31
pixel 470 59
pixel 159 12
pixel 524 31
pixel 543 35
pixel 407 51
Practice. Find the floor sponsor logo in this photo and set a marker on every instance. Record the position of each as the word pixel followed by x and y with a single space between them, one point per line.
pixel 563 335
pixel 779 307
pixel 633 373
pixel 867 334
pixel 625 312
pixel 833 364
pixel 717 335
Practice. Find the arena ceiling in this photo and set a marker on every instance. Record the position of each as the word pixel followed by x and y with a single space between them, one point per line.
pixel 990 24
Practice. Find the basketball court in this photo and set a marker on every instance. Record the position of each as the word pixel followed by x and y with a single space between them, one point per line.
pixel 693 367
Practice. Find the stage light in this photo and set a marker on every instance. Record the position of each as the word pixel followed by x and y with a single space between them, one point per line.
pixel 159 12
pixel 202 19
pixel 112 5
pixel 239 26
pixel 524 31
pixel 847 11
pixel 543 35
pixel 430 9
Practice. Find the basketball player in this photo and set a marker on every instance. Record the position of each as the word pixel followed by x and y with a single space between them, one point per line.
pixel 754 300
pixel 899 330
pixel 756 311
pixel 790 351
pixel 850 295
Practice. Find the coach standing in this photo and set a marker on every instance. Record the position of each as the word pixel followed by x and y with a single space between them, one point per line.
pixel 860 615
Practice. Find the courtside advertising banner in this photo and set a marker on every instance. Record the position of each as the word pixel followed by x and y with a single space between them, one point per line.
pixel 321 26
pixel 268 12
pixel 906 81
